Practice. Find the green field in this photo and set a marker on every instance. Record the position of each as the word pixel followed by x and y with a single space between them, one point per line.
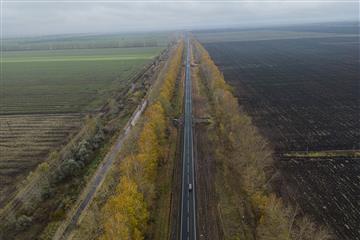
pixel 86 41
pixel 46 84
pixel 69 80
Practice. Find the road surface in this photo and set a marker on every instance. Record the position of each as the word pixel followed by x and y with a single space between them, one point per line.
pixel 188 206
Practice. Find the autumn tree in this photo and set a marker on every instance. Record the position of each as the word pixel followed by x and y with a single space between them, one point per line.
pixel 125 214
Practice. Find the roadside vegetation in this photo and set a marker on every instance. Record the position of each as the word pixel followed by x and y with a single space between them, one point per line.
pixel 247 208
pixel 48 191
pixel 129 213
pixel 46 195
pixel 63 80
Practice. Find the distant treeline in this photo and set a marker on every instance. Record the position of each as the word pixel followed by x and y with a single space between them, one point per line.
pixel 349 27
pixel 86 42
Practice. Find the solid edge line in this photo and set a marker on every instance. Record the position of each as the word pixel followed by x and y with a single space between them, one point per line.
pixel 192 148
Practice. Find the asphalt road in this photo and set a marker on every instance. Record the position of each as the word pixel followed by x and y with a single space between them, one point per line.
pixel 188 205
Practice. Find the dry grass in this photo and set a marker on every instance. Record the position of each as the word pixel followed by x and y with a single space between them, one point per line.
pixel 25 141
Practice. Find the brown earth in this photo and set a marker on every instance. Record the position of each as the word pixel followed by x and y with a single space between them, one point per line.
pixel 205 166
pixel 25 141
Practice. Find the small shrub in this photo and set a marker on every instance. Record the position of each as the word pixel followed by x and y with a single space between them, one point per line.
pixel 98 139
pixel 83 152
pixel 69 168
pixel 23 222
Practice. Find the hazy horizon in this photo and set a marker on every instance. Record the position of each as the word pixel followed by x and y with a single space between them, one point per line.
pixel 26 19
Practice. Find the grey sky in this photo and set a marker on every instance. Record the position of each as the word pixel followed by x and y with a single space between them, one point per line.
pixel 23 18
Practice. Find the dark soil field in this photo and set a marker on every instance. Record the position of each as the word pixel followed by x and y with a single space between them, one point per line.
pixel 328 187
pixel 303 95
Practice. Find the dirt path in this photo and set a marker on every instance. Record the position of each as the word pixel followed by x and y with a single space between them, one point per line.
pixel 65 230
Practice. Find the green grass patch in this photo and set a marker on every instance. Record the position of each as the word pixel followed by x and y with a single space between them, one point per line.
pixel 66 80
pixel 67 55
pixel 334 153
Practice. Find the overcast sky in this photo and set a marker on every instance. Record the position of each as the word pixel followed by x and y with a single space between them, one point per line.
pixel 26 17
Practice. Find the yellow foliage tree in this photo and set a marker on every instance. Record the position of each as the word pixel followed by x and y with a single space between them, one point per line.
pixel 244 152
pixel 167 89
pixel 155 115
pixel 125 214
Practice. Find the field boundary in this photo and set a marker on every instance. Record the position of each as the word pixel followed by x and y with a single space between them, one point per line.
pixel 16 200
pixel 77 212
pixel 76 215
